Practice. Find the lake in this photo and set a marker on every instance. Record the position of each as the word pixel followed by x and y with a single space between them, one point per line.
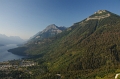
pixel 5 55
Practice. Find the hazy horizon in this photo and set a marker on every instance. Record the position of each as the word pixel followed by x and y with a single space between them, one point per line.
pixel 15 36
pixel 24 18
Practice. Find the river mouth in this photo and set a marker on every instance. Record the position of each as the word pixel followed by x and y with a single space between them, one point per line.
pixel 6 56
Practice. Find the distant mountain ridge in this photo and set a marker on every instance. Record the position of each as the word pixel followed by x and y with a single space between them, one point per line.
pixel 10 40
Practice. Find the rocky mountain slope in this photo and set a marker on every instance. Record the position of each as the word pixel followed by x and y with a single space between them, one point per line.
pixel 49 31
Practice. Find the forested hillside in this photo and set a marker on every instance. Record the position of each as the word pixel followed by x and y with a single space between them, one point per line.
pixel 89 49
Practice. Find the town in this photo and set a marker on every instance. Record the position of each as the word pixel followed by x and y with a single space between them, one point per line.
pixel 16 64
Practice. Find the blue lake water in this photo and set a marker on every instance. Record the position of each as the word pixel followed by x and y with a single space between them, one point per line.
pixel 5 55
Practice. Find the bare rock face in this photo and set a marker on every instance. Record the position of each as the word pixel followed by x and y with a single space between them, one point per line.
pixel 100 11
pixel 52 28
pixel 100 14
pixel 49 31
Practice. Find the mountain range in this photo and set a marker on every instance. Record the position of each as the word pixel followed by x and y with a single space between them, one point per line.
pixel 89 49
pixel 10 40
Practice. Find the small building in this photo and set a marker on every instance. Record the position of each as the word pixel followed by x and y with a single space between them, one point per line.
pixel 27 63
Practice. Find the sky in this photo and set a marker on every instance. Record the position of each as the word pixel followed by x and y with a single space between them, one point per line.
pixel 25 18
